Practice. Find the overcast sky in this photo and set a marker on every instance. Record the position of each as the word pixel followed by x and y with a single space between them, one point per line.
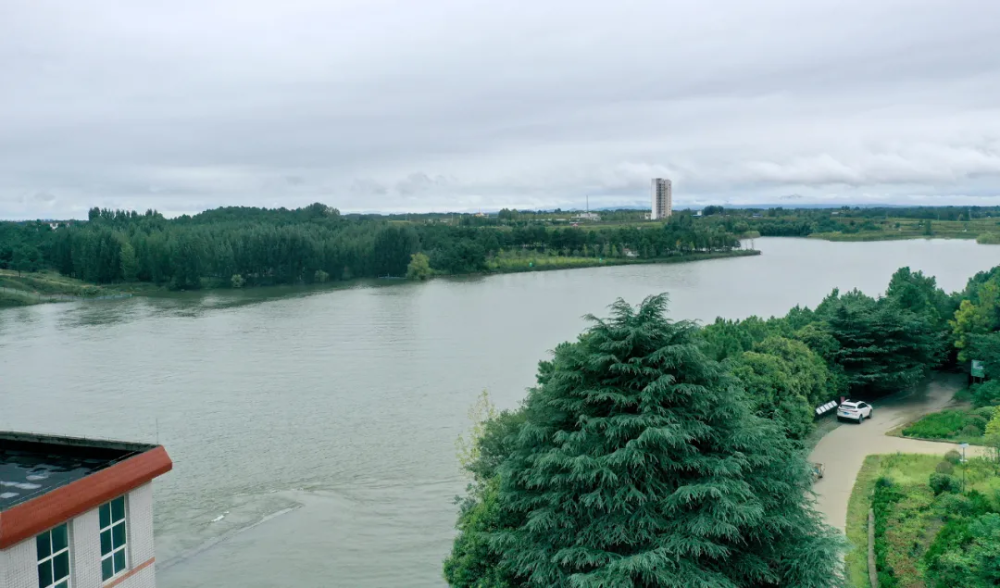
pixel 406 105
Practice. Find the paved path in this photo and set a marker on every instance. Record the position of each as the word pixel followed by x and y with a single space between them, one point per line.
pixel 843 450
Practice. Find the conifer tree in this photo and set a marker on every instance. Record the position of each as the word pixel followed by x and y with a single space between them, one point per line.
pixel 639 465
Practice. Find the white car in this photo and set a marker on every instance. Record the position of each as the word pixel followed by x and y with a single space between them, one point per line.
pixel 854 411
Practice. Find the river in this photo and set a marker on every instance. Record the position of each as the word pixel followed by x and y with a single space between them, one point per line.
pixel 313 431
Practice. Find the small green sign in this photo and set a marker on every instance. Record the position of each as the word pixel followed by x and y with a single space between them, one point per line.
pixel 977 369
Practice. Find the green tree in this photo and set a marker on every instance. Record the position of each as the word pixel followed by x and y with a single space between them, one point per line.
pixel 773 392
pixel 473 563
pixel 640 464
pixel 976 317
pixel 419 267
pixel 882 347
pixel 128 262
pixel 25 259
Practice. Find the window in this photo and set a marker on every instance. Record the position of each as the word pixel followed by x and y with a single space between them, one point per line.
pixel 53 557
pixel 113 556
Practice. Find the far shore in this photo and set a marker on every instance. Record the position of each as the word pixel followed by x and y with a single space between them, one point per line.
pixel 40 288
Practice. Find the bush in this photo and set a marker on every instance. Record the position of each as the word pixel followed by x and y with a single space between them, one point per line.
pixel 941 483
pixel 972 431
pixel 954 457
pixel 237 281
pixel 945 467
pixel 956 505
pixel 974 420
pixel 320 276
pixel 986 412
pixel 986 394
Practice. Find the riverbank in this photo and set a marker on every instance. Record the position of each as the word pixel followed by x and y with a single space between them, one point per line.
pixel 534 264
pixel 895 229
pixel 43 287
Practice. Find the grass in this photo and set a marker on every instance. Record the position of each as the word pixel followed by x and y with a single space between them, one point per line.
pixel 51 283
pixel 528 263
pixel 857 522
pixel 911 523
pixel 913 520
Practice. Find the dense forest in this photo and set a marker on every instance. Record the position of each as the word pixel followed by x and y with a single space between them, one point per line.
pixel 255 246
pixel 648 453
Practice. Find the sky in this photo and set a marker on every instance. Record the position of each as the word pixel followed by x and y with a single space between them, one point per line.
pixel 468 105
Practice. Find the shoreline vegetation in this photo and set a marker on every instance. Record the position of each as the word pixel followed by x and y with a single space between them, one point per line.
pixel 48 287
pixel 242 247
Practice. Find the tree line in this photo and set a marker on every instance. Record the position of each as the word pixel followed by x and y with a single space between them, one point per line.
pixel 655 453
pixel 256 246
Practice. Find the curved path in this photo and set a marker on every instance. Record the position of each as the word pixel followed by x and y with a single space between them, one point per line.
pixel 843 450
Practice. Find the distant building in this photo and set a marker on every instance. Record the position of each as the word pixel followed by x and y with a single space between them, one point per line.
pixel 589 216
pixel 663 201
pixel 77 513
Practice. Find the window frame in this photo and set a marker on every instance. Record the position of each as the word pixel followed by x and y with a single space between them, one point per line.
pixel 110 529
pixel 50 559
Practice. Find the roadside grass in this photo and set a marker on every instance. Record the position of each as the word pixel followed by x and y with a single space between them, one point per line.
pixel 857 522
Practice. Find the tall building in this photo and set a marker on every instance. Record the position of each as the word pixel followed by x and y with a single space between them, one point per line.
pixel 663 199
pixel 77 513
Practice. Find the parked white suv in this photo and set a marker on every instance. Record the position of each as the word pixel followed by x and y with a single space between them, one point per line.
pixel 855 411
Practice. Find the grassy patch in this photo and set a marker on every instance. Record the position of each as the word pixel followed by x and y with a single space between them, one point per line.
pixel 540 262
pixel 955 425
pixel 857 522
pixel 51 284
pixel 910 516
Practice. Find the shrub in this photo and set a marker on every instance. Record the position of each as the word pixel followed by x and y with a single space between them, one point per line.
pixel 955 505
pixel 945 467
pixel 971 431
pixel 974 420
pixel 986 394
pixel 320 276
pixel 941 483
pixel 986 412
pixel 954 457
pixel 237 281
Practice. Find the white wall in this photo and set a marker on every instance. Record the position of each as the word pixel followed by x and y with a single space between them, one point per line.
pixel 18 566
pixel 18 563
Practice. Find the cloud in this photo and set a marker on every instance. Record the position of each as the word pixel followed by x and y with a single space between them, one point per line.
pixel 448 104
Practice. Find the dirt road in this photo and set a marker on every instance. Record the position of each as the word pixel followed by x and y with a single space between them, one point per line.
pixel 843 450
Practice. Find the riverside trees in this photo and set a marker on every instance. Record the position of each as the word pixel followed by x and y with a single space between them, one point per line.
pixel 639 463
pixel 280 246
